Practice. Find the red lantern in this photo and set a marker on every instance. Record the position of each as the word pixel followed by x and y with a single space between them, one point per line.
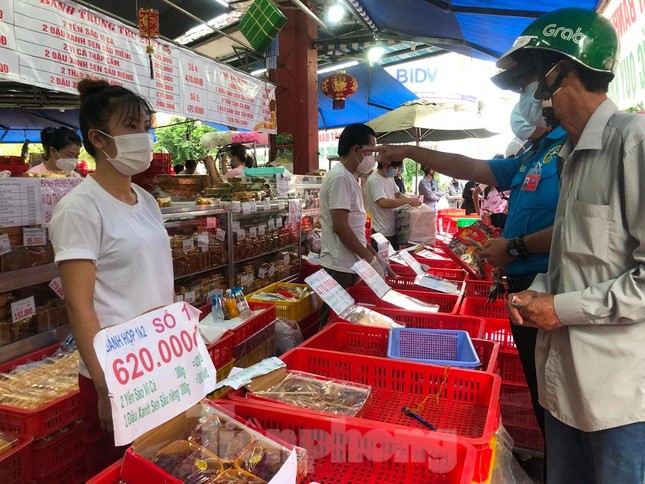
pixel 339 86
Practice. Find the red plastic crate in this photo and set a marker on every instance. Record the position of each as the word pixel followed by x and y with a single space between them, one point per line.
pixel 37 355
pixel 455 275
pixel 371 341
pixel 57 451
pixel 342 451
pixel 43 421
pixel 310 325
pixel 499 330
pixel 408 283
pixel 70 474
pixel 510 368
pixel 109 475
pixel 252 325
pixel 446 263
pixel 221 352
pixel 410 319
pixel 476 306
pixel 15 465
pixel 479 288
pixel 516 407
pixel 527 438
pixel 448 303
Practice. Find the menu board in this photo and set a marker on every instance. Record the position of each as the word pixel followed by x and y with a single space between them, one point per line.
pixel 54 43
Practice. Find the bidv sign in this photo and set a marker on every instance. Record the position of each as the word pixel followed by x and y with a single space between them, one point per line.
pixel 552 30
pixel 416 75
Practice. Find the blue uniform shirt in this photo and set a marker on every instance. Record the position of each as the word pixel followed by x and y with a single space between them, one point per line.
pixel 530 211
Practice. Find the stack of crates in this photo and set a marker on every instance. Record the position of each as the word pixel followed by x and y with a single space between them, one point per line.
pixel 15 164
pixel 57 452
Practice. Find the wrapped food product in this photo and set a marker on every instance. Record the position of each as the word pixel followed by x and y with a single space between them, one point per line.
pixel 223 437
pixel 237 476
pixel 188 461
pixel 410 303
pixel 368 317
pixel 317 393
pixel 466 245
pixel 262 460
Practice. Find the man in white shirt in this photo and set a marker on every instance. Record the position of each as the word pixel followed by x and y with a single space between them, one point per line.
pixel 383 197
pixel 342 214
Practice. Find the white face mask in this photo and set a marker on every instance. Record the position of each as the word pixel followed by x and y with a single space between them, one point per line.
pixel 367 164
pixel 65 164
pixel 531 108
pixel 133 152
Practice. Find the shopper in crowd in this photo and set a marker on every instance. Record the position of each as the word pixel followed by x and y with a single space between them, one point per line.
pixel 190 167
pixel 342 214
pixel 524 247
pixel 588 306
pixel 383 197
pixel 454 191
pixel 24 150
pixel 468 203
pixel 429 188
pixel 400 182
pixel 238 161
pixel 490 203
pixel 110 246
pixel 178 168
pixel 61 146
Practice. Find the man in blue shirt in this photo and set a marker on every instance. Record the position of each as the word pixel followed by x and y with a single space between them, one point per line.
pixel 532 178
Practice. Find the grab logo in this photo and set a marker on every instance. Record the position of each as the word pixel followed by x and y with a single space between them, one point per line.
pixel 552 30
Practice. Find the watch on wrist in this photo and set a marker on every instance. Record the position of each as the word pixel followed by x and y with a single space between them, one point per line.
pixel 512 249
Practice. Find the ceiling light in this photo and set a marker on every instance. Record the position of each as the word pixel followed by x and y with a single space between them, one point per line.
pixel 223 3
pixel 375 53
pixel 258 71
pixel 336 67
pixel 335 13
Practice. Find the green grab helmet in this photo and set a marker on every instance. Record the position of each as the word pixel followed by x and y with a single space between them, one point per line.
pixel 582 35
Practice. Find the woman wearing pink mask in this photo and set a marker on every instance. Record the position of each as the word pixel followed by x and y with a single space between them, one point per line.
pixel 62 147
pixel 111 247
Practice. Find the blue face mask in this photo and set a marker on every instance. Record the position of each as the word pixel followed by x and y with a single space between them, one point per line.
pixel 392 172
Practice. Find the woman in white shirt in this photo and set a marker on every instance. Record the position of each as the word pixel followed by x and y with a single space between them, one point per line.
pixel 111 247
pixel 62 147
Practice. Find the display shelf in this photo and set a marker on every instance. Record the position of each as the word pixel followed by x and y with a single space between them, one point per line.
pixel 275 251
pixel 10 281
pixel 205 271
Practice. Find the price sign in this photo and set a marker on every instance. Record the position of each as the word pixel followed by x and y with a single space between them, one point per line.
pixel 267 205
pixel 189 297
pixel 253 231
pixel 282 205
pixel 236 207
pixel 5 245
pixel 34 236
pixel 203 241
pixel 254 207
pixel 412 262
pixel 156 365
pixel 241 234
pixel 271 270
pixel 247 279
pixel 211 222
pixel 23 309
pixel 220 235
pixel 286 258
pixel 278 222
pixel 371 277
pixel 271 224
pixel 261 230
pixel 236 225
pixel 246 207
pixel 57 286
pixel 262 273
pixel 330 291
pixel 188 245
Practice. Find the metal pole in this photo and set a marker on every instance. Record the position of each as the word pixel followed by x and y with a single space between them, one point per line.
pixel 306 10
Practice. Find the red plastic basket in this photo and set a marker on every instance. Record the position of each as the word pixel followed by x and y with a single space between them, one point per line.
pixel 37 355
pixel 457 275
pixel 15 465
pixel 221 352
pixel 448 303
pixel 43 421
pixel 109 475
pixel 310 325
pixel 445 263
pixel 510 368
pixel 499 330
pixel 516 407
pixel 252 325
pixel 51 454
pixel 410 319
pixel 476 306
pixel 527 438
pixel 342 451
pixel 72 473
pixel 371 341
pixel 407 283
pixel 479 288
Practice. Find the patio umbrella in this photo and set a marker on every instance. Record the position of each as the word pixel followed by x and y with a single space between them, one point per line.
pixel 425 121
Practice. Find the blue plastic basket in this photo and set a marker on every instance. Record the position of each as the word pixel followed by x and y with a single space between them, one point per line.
pixel 435 346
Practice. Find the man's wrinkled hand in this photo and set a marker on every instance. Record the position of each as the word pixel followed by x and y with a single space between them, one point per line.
pixel 538 311
pixel 515 302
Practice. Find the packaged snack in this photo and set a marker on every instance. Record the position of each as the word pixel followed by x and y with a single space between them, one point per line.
pixel 188 461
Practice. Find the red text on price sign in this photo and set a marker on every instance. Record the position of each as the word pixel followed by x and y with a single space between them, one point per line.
pixel 156 366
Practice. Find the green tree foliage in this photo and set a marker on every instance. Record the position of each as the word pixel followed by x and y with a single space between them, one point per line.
pixel 635 109
pixel 181 140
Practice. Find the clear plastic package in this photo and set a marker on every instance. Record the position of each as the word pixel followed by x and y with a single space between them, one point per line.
pixel 368 317
pixel 188 461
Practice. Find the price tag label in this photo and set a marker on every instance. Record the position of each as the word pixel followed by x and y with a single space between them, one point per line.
pixel 271 270
pixel 57 286
pixel 236 225
pixel 241 234
pixel 34 236
pixel 156 365
pixel 23 309
pixel 371 278
pixel 211 222
pixel 5 245
pixel 253 231
pixel 236 207
pixel 220 235
pixel 286 258
pixel 271 224
pixel 262 273
pixel 179 298
pixel 189 297
pixel 266 205
pixel 282 183
pixel 282 205
pixel 278 223
pixel 261 230
pixel 246 207
pixel 203 241
pixel 254 207
pixel 188 244
pixel 330 291
pixel 247 279
pixel 412 262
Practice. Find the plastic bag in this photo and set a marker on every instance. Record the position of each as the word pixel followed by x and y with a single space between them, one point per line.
pixel 368 317
pixel 507 469
pixel 287 335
